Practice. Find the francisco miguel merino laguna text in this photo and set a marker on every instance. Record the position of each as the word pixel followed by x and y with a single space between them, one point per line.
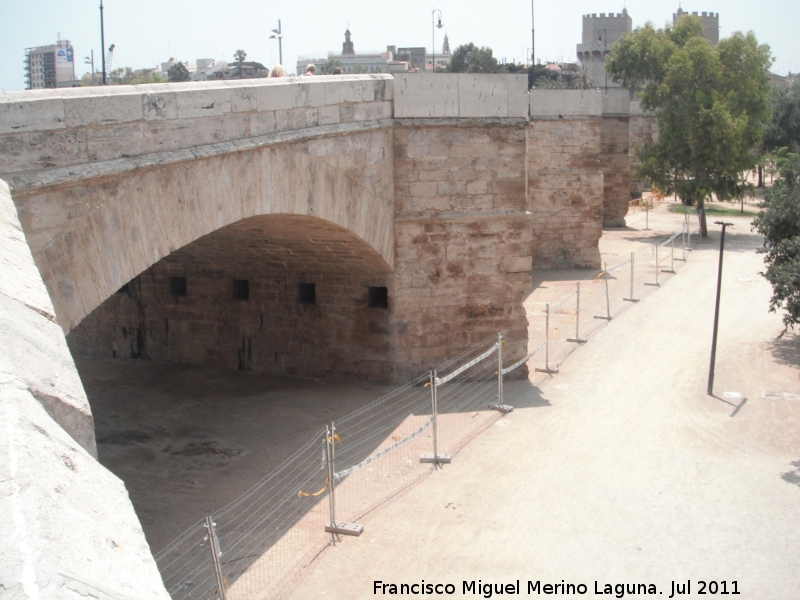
pixel 488 590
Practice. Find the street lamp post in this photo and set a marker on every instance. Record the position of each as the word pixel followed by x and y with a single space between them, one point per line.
pixel 533 38
pixel 278 36
pixel 434 25
pixel 103 42
pixel 710 389
pixel 90 61
pixel 604 39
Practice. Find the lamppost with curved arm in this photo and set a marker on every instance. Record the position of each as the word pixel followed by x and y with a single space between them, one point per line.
pixel 434 25
pixel 278 35
pixel 603 38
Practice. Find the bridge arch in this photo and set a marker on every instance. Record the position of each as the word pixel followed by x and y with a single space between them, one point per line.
pixel 92 237
pixel 281 294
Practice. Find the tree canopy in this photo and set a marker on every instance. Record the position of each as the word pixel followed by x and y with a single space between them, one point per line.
pixel 709 103
pixel 469 58
pixel 329 65
pixel 779 223
pixel 239 57
pixel 783 131
pixel 178 72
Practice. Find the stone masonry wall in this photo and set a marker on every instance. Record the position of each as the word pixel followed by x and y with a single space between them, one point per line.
pixel 70 530
pixel 642 130
pixel 616 167
pixel 565 191
pixel 44 131
pixel 463 238
pixel 274 330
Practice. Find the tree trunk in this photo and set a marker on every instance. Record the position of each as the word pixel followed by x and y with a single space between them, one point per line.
pixel 760 176
pixel 701 215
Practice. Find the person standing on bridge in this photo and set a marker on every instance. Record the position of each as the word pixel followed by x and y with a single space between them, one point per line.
pixel 277 71
pixel 310 70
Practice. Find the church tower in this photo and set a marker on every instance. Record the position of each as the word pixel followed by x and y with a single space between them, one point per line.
pixel 347 46
pixel 446 45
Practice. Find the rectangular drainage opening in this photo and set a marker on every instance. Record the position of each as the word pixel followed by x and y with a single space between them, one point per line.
pixel 241 289
pixel 307 293
pixel 378 297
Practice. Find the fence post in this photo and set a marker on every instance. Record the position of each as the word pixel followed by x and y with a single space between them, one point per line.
pixel 688 234
pixel 547 368
pixel 655 283
pixel 500 406
pixel 631 298
pixel 683 243
pixel 672 255
pixel 435 458
pixel 578 339
pixel 607 316
pixel 213 544
pixel 330 454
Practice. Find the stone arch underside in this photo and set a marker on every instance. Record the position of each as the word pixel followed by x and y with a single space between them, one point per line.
pixel 268 324
pixel 91 237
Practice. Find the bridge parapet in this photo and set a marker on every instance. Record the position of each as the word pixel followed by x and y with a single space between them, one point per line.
pixel 51 129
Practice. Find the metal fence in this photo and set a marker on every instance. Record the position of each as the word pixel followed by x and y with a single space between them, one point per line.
pixel 254 546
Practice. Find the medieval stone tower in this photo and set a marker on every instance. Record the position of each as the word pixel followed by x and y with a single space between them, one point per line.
pixel 710 24
pixel 599 34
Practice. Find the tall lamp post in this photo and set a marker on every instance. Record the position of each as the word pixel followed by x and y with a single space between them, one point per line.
pixel 278 36
pixel 103 42
pixel 533 38
pixel 434 25
pixel 710 389
pixel 604 38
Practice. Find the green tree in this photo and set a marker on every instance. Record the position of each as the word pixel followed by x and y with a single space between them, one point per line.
pixel 779 223
pixel 121 76
pixel 583 78
pixel 709 103
pixel 239 57
pixel 360 69
pixel 150 78
pixel 329 65
pixel 87 80
pixel 178 72
pixel 783 131
pixel 468 58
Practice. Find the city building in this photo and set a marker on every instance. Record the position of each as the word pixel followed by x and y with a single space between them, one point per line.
pixel 443 58
pixel 50 66
pixel 202 69
pixel 600 33
pixel 394 60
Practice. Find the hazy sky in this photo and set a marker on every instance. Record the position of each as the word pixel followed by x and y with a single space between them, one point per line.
pixel 147 32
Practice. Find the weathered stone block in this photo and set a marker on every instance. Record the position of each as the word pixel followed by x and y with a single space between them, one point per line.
pixel 419 95
pixel 203 103
pixel 103 110
pixel 552 103
pixel 244 99
pixel 39 115
pixel 276 96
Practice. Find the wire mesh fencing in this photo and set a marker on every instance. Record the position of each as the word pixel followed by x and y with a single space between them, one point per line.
pixel 253 547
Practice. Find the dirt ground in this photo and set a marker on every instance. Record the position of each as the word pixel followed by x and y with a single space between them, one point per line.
pixel 619 469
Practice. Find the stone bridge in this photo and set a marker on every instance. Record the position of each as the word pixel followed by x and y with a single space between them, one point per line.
pixel 357 227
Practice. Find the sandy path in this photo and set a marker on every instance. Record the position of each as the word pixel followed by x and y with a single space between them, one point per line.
pixel 627 472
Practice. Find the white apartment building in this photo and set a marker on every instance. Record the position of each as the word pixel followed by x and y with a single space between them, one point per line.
pixel 50 66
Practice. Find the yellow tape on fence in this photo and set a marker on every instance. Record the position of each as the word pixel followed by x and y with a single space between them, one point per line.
pixel 302 494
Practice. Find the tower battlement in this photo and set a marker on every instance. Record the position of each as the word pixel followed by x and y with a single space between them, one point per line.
pixel 597 27
pixel 710 23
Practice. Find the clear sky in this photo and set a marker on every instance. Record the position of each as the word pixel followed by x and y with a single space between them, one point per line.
pixel 147 32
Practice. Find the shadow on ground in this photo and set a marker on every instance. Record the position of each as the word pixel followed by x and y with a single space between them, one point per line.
pixel 786 350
